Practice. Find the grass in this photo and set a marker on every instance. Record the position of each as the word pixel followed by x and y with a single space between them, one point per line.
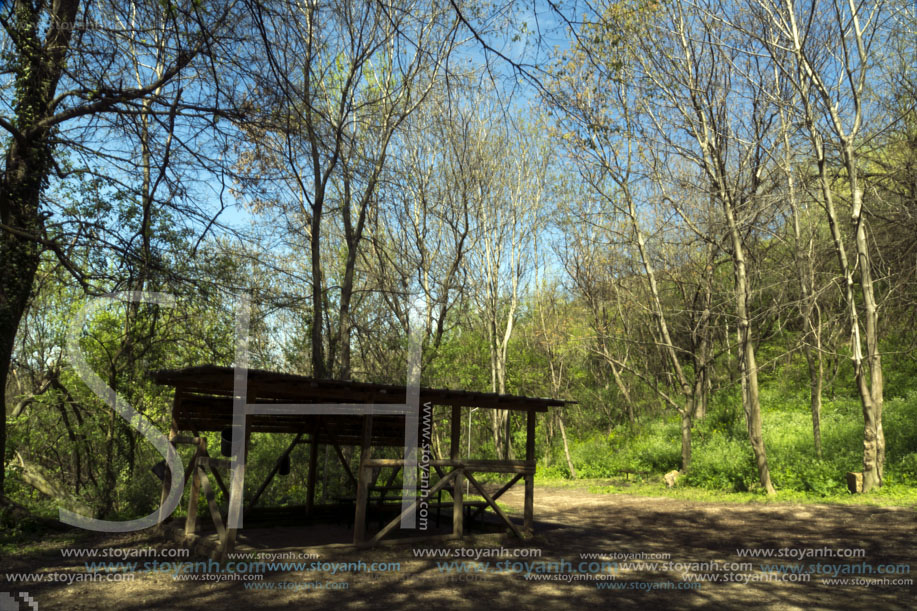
pixel 723 467
pixel 32 540
pixel 888 496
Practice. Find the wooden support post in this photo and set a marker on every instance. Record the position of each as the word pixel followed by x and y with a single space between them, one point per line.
pixel 359 521
pixel 167 474
pixel 211 501
pixel 528 523
pixel 310 482
pixel 458 514
pixel 191 520
pixel 229 541
pixel 250 399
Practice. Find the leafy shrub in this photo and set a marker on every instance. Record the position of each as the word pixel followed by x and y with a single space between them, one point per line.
pixel 906 469
pixel 722 458
pixel 722 464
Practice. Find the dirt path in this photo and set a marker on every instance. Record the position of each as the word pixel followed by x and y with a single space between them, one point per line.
pixel 698 540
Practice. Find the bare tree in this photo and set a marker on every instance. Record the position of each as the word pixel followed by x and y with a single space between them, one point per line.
pixel 337 82
pixel 72 71
pixel 553 337
pixel 595 269
pixel 697 73
pixel 508 169
pixel 804 251
pixel 825 54
pixel 598 104
pixel 508 223
pixel 421 235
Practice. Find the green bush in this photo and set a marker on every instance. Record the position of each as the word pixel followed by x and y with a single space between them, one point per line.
pixel 722 463
pixel 722 458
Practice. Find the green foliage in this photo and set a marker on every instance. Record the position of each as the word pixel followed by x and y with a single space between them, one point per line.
pixel 723 461
pixel 890 495
pixel 655 451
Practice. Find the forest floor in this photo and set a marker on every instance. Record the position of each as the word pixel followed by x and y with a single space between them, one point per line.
pixel 670 554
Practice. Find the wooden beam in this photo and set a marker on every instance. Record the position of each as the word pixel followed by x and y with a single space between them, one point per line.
pixel 274 470
pixel 337 449
pixel 498 494
pixel 167 474
pixel 455 445
pixel 310 481
pixel 529 507
pixel 388 484
pixel 191 520
pixel 484 466
pixel 493 504
pixel 219 480
pixel 211 502
pixel 212 463
pixel 198 443
pixel 388 527
pixel 359 520
pixel 385 462
pixel 218 381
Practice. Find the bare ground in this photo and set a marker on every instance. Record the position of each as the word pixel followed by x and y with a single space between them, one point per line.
pixel 569 522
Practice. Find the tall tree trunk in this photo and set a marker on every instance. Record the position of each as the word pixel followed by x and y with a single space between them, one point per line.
pixel 816 373
pixel 700 393
pixel 318 351
pixel 497 423
pixel 870 398
pixel 37 66
pixel 702 352
pixel 563 435
pixel 751 401
pixel 805 268
pixel 686 438
pixel 625 394
pixel 870 392
pixel 19 259
pixel 855 66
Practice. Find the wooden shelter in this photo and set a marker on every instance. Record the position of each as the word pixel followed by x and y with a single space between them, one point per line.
pixel 204 402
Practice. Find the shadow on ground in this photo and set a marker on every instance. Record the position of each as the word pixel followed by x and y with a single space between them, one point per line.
pixel 700 537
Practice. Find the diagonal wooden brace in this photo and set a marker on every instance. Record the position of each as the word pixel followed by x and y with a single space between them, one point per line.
pixel 493 504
